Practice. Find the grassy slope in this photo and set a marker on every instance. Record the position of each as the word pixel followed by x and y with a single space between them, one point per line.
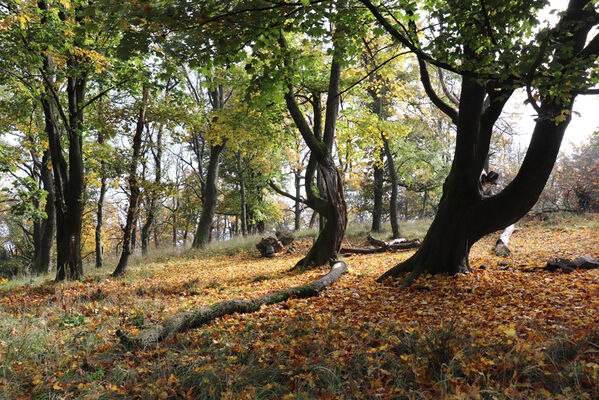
pixel 500 332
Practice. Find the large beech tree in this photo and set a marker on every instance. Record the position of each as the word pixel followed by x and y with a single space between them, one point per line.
pixel 486 44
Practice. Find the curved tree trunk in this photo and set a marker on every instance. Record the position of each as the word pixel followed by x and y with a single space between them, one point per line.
pixel 464 214
pixel 134 192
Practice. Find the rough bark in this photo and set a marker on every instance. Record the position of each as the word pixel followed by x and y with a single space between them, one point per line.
pixel 297 209
pixel 195 319
pixel 394 220
pixel 377 209
pixel 202 235
pixel 43 258
pixel 319 139
pixel 134 190
pixel 464 214
pixel 152 198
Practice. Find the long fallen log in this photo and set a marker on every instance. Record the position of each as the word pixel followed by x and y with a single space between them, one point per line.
pixel 194 319
pixel 383 246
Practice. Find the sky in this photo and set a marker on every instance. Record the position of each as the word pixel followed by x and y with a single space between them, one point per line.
pixel 585 118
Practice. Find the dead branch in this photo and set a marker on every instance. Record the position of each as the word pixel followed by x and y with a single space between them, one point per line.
pixel 194 319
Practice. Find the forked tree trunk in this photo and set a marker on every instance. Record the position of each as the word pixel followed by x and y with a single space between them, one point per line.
pixel 464 215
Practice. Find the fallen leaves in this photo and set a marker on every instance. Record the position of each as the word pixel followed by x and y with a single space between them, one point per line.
pixel 500 330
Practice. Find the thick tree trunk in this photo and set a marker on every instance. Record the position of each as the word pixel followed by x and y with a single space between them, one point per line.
pixel 464 214
pixel 194 319
pixel 377 209
pixel 202 235
pixel 68 178
pixel 134 191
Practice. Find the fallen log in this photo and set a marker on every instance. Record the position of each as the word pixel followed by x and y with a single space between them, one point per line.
pixel 388 246
pixel 194 319
pixel 567 266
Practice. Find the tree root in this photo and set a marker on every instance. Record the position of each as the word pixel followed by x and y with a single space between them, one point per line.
pixel 405 266
pixel 194 319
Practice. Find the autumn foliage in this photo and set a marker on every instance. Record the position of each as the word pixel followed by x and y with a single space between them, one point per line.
pixel 505 331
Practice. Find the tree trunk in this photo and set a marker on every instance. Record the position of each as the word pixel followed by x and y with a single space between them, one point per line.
pixel 134 191
pixel 377 209
pixel 394 185
pixel 100 208
pixel 69 182
pixel 153 194
pixel 43 259
pixel 297 209
pixel 464 214
pixel 202 235
pixel 424 204
pixel 244 223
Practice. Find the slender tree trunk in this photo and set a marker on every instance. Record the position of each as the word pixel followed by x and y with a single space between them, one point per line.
pixel 100 208
pixel 202 235
pixel 43 259
pixel 393 206
pixel 134 192
pixel 153 194
pixel 297 210
pixel 377 209
pixel 241 176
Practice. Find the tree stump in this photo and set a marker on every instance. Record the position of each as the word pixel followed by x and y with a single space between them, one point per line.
pixel 269 246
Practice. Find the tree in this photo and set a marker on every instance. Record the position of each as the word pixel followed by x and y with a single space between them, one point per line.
pixel 486 43
pixel 134 186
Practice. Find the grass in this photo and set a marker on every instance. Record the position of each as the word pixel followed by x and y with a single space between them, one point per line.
pixel 359 339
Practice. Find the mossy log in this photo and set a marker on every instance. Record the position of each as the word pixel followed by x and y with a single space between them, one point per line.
pixel 194 319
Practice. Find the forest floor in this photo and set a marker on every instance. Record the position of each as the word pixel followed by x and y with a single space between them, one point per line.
pixel 505 331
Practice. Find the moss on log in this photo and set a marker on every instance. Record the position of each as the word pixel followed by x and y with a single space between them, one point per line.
pixel 194 319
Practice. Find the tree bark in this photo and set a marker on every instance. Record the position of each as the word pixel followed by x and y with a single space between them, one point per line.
pixel 134 191
pixel 464 214
pixel 43 259
pixel 297 209
pixel 152 197
pixel 202 235
pixel 194 319
pixel 377 209
pixel 241 175
pixel 393 206
pixel 100 208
